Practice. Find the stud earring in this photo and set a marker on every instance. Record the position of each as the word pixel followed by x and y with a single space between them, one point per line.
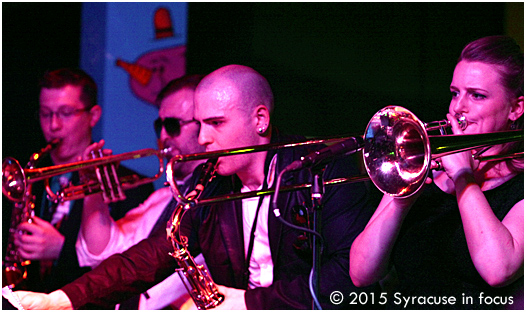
pixel 262 129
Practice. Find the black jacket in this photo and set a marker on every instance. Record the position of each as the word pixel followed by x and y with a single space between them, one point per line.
pixel 217 232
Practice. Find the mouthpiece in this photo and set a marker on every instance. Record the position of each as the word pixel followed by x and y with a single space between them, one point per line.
pixel 462 122
pixel 444 123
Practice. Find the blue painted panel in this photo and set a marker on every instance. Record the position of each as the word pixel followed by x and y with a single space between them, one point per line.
pixel 121 49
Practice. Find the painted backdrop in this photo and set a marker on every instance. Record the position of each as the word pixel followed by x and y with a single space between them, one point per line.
pixel 132 50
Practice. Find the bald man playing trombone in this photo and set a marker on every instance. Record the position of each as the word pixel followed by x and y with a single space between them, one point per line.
pixel 256 261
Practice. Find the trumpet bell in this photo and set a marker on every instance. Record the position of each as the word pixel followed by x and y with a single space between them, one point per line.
pixel 397 151
pixel 13 180
pixel 16 180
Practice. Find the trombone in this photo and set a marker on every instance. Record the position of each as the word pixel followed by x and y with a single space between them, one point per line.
pixel 397 153
pixel 179 196
pixel 15 179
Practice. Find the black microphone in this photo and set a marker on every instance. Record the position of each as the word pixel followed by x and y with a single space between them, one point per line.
pixel 346 147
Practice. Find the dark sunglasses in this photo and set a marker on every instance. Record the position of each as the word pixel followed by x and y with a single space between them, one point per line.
pixel 172 126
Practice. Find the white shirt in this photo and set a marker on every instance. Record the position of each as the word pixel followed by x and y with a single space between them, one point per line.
pixel 261 267
pixel 135 226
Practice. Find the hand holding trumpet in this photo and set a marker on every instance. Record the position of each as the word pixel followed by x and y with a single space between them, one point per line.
pixel 96 212
pixel 92 151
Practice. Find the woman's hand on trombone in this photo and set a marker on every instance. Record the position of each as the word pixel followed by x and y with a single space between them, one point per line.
pixel 458 165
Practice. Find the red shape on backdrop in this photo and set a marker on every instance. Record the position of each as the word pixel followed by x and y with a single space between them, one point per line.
pixel 153 70
pixel 163 24
pixel 137 72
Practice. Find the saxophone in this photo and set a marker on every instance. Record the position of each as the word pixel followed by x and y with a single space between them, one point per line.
pixel 14 268
pixel 195 277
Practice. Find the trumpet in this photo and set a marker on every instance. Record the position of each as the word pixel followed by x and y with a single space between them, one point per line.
pixel 16 180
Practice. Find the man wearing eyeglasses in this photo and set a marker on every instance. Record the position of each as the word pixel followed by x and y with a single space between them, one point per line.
pixel 68 111
pixel 101 237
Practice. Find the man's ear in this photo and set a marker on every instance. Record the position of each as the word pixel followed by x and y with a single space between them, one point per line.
pixel 262 119
pixel 95 112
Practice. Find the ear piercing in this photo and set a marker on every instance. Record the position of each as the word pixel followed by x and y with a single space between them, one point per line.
pixel 262 129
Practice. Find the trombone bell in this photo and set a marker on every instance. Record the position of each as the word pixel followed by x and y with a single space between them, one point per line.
pixel 398 151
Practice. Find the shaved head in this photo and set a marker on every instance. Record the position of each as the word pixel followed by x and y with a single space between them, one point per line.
pixel 250 88
pixel 232 105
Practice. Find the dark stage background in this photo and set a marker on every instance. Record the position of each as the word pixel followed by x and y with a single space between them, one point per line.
pixel 331 65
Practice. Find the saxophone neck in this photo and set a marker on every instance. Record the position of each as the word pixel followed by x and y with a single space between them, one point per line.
pixel 206 176
pixel 38 155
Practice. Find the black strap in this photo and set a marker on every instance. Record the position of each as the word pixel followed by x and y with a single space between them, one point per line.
pixel 49 207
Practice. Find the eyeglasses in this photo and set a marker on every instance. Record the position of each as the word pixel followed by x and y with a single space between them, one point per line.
pixel 172 126
pixel 63 113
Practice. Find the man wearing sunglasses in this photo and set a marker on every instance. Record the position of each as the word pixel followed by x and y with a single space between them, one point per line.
pixel 101 237
pixel 68 111
pixel 176 126
pixel 250 254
